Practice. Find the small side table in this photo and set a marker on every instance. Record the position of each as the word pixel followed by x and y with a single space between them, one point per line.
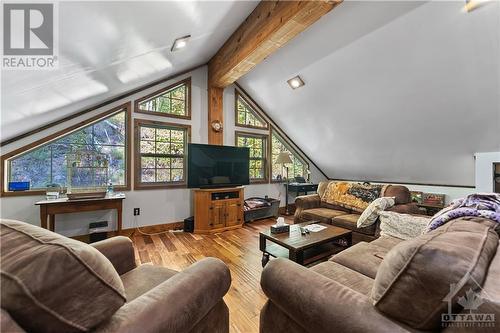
pixel 430 209
pixel 49 209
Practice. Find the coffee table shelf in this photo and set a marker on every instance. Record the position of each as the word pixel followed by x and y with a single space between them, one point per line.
pixel 303 249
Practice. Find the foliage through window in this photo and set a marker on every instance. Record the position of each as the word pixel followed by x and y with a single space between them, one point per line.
pixel 172 101
pixel 161 153
pixel 246 115
pixel 47 164
pixel 297 168
pixel 258 152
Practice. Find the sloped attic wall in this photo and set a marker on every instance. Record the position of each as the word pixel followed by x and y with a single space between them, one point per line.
pixel 395 91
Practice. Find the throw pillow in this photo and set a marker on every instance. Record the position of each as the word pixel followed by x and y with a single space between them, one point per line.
pixel 370 214
pixel 402 226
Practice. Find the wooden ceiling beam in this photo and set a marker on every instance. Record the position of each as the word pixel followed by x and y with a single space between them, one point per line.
pixel 270 26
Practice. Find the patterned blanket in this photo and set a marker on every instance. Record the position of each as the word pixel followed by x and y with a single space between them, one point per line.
pixel 485 205
pixel 353 196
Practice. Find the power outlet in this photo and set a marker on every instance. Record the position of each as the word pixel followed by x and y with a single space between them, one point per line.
pixel 137 211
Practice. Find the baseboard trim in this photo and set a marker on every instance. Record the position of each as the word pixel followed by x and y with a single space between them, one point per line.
pixel 148 229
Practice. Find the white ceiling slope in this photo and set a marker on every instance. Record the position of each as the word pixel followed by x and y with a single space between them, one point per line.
pixel 395 91
pixel 107 48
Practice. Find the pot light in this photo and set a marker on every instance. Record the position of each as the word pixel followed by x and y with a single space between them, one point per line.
pixel 295 82
pixel 180 43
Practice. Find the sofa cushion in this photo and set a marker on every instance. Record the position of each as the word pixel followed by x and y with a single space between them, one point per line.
pixel 386 242
pixel 346 276
pixel 403 226
pixel 350 221
pixel 336 207
pixel 324 215
pixel 144 278
pixel 364 258
pixel 370 215
pixel 419 272
pixel 52 283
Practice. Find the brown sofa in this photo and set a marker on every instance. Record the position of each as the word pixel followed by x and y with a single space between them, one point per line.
pixel 390 285
pixel 312 208
pixel 51 283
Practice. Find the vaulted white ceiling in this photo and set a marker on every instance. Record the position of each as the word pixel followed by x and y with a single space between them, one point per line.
pixel 107 48
pixel 395 91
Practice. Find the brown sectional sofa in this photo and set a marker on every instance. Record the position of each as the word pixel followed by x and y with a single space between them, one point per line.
pixel 312 208
pixel 389 285
pixel 51 283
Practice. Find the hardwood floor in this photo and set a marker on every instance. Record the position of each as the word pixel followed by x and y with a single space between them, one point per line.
pixel 239 249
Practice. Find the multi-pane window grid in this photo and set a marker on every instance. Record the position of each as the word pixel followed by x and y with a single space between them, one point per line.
pixel 162 154
pixel 246 116
pixel 173 101
pixel 298 167
pixel 47 164
pixel 257 155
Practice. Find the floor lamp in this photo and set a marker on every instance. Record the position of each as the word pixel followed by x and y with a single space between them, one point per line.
pixel 284 159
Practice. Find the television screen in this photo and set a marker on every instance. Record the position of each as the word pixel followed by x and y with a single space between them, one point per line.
pixel 217 166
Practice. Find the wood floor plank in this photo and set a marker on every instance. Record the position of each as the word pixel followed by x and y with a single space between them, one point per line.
pixel 238 248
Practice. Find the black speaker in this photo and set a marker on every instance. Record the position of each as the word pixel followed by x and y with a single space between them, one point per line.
pixel 189 224
pixel 98 231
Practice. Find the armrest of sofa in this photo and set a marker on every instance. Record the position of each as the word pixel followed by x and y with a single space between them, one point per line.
pixel 319 304
pixel 306 202
pixel 177 304
pixel 408 208
pixel 120 251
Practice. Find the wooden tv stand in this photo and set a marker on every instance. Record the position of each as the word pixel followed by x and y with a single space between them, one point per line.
pixel 218 209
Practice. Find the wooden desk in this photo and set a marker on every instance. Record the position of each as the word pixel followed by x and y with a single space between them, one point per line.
pixel 298 188
pixel 49 208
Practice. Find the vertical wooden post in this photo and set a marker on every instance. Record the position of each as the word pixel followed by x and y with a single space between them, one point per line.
pixel 215 113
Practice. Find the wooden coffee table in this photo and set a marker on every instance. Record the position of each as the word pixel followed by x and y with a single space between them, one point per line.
pixel 304 249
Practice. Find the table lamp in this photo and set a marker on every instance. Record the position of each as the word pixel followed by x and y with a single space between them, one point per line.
pixel 284 159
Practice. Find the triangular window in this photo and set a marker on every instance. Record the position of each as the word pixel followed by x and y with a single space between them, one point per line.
pixel 247 115
pixel 172 101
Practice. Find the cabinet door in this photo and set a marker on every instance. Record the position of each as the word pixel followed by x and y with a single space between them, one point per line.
pixel 217 215
pixel 233 213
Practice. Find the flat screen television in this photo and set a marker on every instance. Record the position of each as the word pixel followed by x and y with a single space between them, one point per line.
pixel 211 166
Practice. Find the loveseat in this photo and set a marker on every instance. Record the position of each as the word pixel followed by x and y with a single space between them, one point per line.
pixel 51 283
pixel 314 208
pixel 390 285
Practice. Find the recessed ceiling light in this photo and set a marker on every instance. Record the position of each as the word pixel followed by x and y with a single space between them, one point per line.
pixel 295 82
pixel 179 43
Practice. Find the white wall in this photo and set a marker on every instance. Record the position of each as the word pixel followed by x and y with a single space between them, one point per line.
pixel 157 206
pixel 273 190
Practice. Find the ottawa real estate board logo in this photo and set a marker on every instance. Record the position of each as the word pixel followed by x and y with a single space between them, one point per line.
pixel 29 36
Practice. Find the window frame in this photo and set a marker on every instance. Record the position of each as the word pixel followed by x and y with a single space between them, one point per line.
pixel 4 159
pixel 265 159
pixel 237 95
pixel 287 145
pixel 138 184
pixel 161 91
